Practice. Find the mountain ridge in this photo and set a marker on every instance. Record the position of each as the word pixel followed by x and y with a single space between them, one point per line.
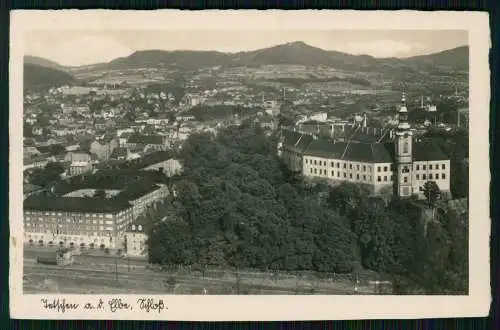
pixel 41 61
pixel 37 76
pixel 296 52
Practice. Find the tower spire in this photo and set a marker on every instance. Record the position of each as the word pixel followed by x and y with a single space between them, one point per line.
pixel 403 114
pixel 403 152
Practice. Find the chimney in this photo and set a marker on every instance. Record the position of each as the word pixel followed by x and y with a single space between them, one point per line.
pixel 364 119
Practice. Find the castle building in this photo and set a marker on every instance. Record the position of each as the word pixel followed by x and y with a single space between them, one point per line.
pixel 399 166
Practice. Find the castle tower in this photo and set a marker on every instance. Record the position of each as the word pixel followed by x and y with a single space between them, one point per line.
pixel 403 153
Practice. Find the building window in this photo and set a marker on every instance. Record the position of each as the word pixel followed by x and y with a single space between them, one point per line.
pixel 418 167
pixel 379 179
pixel 405 147
pixel 350 166
pixel 306 160
pixel 357 176
pixel 345 175
pixel 392 177
pixel 331 164
pixel 430 167
pixel 423 167
pixel 385 178
pixel 405 179
pixel 338 174
pixel 315 162
pixel 364 168
pixel 443 176
pixel 423 177
pixel 364 177
pixel 311 170
pixel 418 177
pixel 385 168
pixel 338 165
pixel 430 176
pixel 315 171
pixel 350 175
pixel 345 165
pixel 357 167
pixel 333 173
pixel 378 169
pixel 443 166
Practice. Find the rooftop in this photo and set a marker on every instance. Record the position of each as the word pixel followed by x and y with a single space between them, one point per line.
pixel 360 151
pixel 427 151
pixel 119 152
pixel 145 139
pixel 115 204
pixel 75 204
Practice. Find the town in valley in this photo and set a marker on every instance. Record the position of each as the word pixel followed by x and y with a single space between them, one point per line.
pixel 284 170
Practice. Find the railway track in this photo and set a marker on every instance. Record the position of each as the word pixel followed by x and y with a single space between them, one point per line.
pixel 83 274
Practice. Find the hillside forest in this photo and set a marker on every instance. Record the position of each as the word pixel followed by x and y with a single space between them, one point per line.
pixel 235 205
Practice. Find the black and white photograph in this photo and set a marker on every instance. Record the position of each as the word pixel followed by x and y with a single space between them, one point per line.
pixel 322 161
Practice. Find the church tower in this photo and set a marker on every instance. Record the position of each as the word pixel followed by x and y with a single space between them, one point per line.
pixel 403 153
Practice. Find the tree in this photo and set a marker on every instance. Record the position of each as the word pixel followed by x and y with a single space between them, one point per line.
pixel 47 175
pixel 27 130
pixel 43 120
pixel 347 197
pixel 171 242
pixel 459 183
pixel 56 149
pixel 100 193
pixel 432 193
pixel 284 121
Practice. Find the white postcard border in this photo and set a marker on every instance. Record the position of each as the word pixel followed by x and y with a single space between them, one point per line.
pixel 269 307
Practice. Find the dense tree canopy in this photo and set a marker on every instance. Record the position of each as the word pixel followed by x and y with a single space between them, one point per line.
pixel 235 205
pixel 455 144
pixel 49 174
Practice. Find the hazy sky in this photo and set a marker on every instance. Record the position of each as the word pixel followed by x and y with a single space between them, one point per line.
pixel 84 47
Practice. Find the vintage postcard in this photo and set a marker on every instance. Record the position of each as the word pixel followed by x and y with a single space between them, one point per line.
pixel 249 165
